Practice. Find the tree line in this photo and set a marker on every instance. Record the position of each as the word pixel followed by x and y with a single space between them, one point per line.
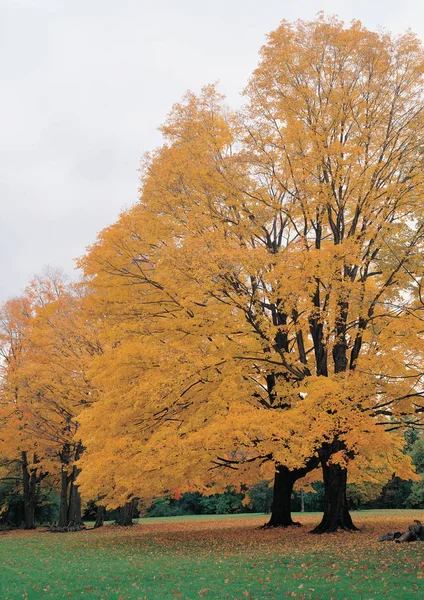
pixel 258 313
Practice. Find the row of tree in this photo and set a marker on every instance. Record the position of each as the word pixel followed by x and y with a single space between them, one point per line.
pixel 258 313
pixel 397 493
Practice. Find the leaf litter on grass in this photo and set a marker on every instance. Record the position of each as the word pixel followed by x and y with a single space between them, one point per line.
pixel 215 558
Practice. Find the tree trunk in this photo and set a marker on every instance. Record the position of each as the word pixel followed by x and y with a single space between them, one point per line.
pixel 336 513
pixel 63 507
pixel 74 508
pixel 302 500
pixel 281 500
pixel 65 456
pixel 284 480
pixel 70 499
pixel 100 517
pixel 125 514
pixel 29 480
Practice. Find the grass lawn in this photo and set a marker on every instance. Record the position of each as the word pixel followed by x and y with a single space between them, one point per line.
pixel 215 557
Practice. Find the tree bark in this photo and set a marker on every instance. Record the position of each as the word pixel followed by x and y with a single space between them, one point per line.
pixel 63 507
pixel 100 517
pixel 125 514
pixel 70 498
pixel 29 480
pixel 336 513
pixel 65 456
pixel 74 509
pixel 281 500
pixel 284 480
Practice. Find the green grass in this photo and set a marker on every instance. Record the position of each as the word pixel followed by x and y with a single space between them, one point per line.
pixel 214 557
pixel 183 518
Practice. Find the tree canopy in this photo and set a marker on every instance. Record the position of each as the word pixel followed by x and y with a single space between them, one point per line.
pixel 259 310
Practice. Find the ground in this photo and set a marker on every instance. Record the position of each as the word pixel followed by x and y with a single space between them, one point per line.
pixel 215 557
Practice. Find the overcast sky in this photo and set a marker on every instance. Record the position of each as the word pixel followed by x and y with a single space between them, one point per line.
pixel 85 84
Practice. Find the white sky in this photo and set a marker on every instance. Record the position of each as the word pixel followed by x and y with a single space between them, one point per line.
pixel 85 84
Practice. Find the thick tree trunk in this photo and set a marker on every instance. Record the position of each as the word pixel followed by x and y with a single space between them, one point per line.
pixel 281 500
pixel 70 499
pixel 74 508
pixel 63 507
pixel 284 480
pixel 100 517
pixel 125 514
pixel 29 480
pixel 336 513
pixel 65 456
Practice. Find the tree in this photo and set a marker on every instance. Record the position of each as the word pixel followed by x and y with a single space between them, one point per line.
pixel 259 497
pixel 14 324
pixel 270 271
pixel 416 496
pixel 334 130
pixel 44 388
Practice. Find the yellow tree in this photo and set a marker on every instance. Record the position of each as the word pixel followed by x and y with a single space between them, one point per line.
pixel 273 256
pixel 334 119
pixel 16 451
pixel 45 387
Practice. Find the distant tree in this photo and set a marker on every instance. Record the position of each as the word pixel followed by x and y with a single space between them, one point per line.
pixel 416 496
pixel 260 497
pixel 44 386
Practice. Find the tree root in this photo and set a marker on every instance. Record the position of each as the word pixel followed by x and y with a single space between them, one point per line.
pixel 279 526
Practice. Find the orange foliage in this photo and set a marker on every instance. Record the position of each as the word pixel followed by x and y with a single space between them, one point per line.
pixel 261 302
pixel 256 298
